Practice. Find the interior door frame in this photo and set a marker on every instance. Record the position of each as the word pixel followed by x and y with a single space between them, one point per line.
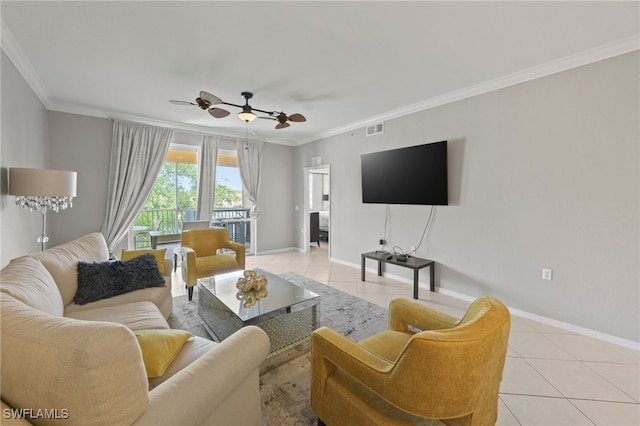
pixel 305 211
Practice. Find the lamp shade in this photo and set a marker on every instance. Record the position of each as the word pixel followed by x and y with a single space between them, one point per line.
pixel 246 116
pixel 42 182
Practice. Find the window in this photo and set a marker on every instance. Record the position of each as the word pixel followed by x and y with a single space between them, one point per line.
pixel 229 190
pixel 230 204
pixel 174 197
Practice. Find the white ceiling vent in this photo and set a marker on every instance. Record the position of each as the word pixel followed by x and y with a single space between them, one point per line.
pixel 375 129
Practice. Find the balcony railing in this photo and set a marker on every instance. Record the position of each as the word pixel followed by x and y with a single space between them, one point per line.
pixel 172 220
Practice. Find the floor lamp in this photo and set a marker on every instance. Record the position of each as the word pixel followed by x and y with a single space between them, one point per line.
pixel 43 190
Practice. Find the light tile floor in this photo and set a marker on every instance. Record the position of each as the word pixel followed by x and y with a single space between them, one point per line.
pixel 551 377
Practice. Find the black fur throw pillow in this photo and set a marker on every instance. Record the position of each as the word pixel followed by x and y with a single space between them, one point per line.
pixel 101 280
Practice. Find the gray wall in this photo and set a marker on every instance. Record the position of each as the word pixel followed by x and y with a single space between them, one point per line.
pixel 544 174
pixel 275 229
pixel 81 144
pixel 24 144
pixel 35 137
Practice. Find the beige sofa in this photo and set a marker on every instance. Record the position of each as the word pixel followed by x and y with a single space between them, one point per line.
pixel 63 363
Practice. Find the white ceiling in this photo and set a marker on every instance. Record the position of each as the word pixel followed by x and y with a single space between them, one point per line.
pixel 341 64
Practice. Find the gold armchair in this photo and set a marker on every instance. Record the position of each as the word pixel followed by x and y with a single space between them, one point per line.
pixel 427 365
pixel 200 257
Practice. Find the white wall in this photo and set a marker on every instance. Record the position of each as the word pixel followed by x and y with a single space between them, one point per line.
pixel 544 174
pixel 24 144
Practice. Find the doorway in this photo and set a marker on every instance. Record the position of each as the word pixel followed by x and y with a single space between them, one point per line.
pixel 317 201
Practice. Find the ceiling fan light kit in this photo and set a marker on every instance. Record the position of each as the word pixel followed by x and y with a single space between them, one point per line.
pixel 246 115
pixel 206 101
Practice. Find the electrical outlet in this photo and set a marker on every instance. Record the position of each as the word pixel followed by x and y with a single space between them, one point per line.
pixel 547 274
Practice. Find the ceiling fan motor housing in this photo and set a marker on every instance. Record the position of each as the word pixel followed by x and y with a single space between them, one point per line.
pixel 204 104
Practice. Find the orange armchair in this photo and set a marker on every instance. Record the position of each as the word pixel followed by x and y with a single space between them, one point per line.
pixel 200 257
pixel 427 365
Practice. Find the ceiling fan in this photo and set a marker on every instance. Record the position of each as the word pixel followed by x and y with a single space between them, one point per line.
pixel 207 102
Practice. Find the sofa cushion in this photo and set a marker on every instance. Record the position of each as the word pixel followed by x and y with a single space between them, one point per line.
pixel 92 369
pixel 159 348
pixel 159 296
pixel 62 261
pixel 158 254
pixel 28 280
pixel 101 280
pixel 135 316
pixel 193 349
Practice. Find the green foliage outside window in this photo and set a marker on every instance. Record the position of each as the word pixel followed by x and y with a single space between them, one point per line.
pixel 175 192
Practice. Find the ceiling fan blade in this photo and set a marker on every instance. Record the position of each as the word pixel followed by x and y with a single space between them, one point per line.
pixel 210 98
pixel 282 126
pixel 218 112
pixel 181 102
pixel 297 118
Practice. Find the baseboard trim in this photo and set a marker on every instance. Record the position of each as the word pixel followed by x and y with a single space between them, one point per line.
pixel 630 344
pixel 555 323
pixel 260 253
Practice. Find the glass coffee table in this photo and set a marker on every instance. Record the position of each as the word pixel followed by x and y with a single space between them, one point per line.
pixel 288 314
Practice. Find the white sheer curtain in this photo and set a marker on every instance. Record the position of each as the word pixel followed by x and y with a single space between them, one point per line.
pixel 137 154
pixel 207 181
pixel 250 162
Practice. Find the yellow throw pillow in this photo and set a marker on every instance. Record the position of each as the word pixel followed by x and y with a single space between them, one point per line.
pixel 159 348
pixel 159 255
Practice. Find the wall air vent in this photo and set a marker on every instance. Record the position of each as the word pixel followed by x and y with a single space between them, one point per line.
pixel 375 129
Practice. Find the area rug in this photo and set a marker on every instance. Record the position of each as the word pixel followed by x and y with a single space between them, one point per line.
pixel 286 398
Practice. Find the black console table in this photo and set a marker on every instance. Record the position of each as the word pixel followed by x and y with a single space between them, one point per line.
pixel 412 262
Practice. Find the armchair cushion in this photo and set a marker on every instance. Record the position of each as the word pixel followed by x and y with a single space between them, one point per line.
pixel 218 264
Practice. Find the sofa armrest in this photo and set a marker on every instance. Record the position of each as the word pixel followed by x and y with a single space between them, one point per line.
pixel 239 249
pixel 202 388
pixel 168 267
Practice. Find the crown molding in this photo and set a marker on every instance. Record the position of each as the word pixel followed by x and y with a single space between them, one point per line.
pixel 10 47
pixel 600 53
pixel 182 127
pixel 620 47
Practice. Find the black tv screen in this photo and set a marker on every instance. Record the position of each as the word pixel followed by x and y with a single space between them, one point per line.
pixel 412 175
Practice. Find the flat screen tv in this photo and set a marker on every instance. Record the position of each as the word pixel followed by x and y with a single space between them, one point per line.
pixel 411 175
